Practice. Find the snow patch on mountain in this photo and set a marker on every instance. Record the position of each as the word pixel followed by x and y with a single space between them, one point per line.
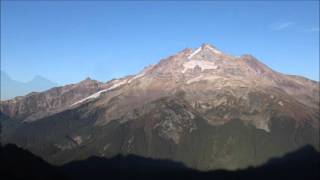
pixel 202 64
pixel 214 50
pixel 97 94
pixel 136 77
pixel 120 82
pixel 195 52
pixel 93 96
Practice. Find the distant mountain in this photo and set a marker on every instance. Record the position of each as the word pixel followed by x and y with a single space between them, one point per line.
pixel 17 163
pixel 11 88
pixel 201 107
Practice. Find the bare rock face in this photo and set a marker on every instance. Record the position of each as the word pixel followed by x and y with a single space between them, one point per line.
pixel 38 105
pixel 205 108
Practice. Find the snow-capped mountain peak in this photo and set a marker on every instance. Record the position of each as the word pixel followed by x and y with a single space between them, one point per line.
pixel 205 48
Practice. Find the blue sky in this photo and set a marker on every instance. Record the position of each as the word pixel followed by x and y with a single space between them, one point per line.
pixel 69 41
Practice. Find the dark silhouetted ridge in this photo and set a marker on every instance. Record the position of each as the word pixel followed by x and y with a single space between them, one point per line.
pixel 20 164
pixel 17 163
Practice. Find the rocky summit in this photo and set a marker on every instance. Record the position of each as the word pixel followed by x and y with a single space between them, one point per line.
pixel 201 107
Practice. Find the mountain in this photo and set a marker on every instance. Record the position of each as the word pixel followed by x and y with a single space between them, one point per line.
pixel 17 163
pixel 204 108
pixel 37 105
pixel 11 88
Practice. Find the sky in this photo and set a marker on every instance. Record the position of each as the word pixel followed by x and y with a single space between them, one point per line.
pixel 67 41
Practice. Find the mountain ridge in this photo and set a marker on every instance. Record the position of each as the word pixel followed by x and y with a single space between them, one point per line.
pixel 202 107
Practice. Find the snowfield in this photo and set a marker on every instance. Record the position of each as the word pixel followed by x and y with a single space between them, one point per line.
pixel 202 64
pixel 195 52
pixel 97 94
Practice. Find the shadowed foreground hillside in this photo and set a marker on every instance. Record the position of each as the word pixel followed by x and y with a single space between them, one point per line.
pixel 17 163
